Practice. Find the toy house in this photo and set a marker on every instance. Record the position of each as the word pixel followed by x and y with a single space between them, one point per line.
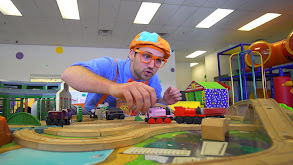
pixel 209 94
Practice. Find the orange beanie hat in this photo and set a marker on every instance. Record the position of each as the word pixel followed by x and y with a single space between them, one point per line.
pixel 152 40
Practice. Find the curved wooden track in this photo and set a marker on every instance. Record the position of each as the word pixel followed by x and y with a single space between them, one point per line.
pixel 266 111
pixel 31 139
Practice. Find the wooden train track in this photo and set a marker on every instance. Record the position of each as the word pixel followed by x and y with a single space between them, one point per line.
pixel 274 120
pixel 31 139
pixel 278 126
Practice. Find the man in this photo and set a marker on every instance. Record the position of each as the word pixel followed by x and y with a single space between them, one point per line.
pixel 133 80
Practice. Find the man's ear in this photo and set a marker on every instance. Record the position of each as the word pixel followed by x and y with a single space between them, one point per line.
pixel 131 54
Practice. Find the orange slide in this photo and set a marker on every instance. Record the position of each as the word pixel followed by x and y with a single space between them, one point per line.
pixel 278 53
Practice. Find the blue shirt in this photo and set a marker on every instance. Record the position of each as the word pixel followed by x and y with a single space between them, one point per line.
pixel 107 67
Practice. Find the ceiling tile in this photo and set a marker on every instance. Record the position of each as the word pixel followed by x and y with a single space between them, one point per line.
pixel 89 10
pixel 154 1
pixel 127 11
pixel 198 16
pixel 233 4
pixel 183 13
pixel 29 9
pixel 42 23
pixel 73 30
pixel 194 2
pixel 164 14
pixel 214 3
pixel 48 8
pixel 173 2
pixel 108 11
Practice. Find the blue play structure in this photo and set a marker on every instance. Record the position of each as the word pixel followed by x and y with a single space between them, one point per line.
pixel 244 77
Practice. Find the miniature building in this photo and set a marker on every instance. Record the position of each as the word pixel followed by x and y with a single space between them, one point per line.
pixel 63 97
pixel 209 94
pixel 215 128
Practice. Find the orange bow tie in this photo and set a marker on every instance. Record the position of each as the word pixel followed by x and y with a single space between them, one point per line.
pixel 131 80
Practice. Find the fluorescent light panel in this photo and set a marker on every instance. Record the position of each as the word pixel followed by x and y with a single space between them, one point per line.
pixel 259 21
pixel 146 12
pixel 68 9
pixel 193 64
pixel 8 8
pixel 196 53
pixel 213 18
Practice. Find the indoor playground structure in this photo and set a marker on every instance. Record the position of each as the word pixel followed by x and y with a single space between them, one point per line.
pixel 15 98
pixel 261 62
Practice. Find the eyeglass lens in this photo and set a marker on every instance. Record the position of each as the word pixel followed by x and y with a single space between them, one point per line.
pixel 147 58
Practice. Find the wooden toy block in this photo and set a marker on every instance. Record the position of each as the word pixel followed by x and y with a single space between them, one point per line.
pixel 215 128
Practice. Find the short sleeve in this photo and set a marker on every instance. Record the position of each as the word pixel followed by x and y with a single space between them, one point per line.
pixel 104 67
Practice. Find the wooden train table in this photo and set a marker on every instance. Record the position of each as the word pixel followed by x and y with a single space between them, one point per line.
pixel 260 132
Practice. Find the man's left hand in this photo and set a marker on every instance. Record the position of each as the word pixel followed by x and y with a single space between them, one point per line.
pixel 172 96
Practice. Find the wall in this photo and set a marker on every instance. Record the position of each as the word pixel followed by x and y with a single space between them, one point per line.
pixel 167 74
pixel 198 73
pixel 183 75
pixel 211 66
pixel 44 60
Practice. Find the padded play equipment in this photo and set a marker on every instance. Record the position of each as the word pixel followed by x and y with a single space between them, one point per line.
pixel 282 93
pixel 277 53
pixel 5 134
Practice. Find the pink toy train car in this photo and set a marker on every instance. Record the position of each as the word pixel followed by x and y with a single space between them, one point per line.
pixel 159 114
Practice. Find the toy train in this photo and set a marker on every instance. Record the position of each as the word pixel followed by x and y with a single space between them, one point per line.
pixel 195 115
pixel 59 118
pixel 113 113
pixel 159 114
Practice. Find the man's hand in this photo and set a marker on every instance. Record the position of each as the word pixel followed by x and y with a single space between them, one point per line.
pixel 135 93
pixel 171 96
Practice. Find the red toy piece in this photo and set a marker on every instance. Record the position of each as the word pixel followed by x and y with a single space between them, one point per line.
pixel 195 115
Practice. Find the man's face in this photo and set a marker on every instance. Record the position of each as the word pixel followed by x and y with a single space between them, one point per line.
pixel 141 70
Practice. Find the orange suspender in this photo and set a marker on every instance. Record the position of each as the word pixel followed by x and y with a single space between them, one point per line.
pixel 103 98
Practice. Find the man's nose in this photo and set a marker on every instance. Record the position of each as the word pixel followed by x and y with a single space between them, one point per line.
pixel 152 63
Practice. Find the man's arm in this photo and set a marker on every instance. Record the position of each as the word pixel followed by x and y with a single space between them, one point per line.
pixel 82 79
pixel 135 93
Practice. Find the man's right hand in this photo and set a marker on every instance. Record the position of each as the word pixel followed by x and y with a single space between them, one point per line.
pixel 135 93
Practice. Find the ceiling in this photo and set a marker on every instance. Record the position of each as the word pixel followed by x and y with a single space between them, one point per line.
pixel 42 24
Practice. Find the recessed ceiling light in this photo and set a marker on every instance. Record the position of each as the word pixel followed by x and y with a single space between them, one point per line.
pixel 213 18
pixel 68 9
pixel 193 64
pixel 196 53
pixel 8 8
pixel 259 21
pixel 146 12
